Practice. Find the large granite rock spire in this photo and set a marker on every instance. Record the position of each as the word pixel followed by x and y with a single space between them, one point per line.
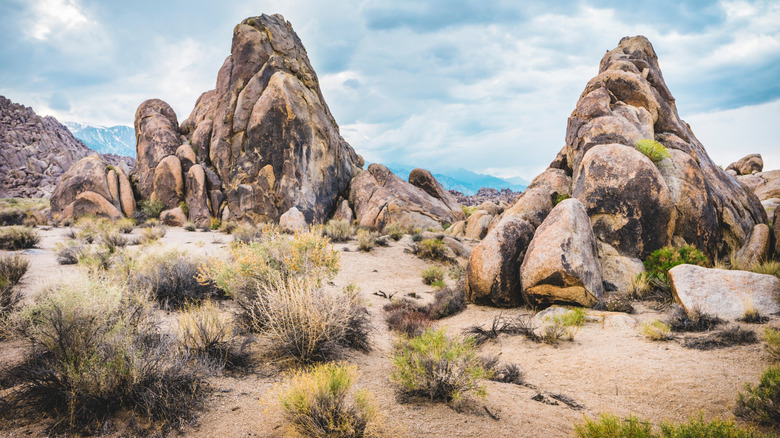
pixel 266 130
pixel 634 205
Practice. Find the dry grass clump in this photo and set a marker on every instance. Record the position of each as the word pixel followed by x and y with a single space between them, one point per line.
pixel 305 322
pixel 16 237
pixel 447 302
pixel 228 227
pixel 407 317
pixel 319 402
pixel 751 315
pixel 125 225
pixel 610 426
pixel 153 233
pixel 438 367
pixel 722 338
pixel 366 239
pixel 170 277
pixel 113 240
pixel 769 267
pixel 16 211
pixel 432 275
pixel 697 321
pixel 209 334
pixel 338 230
pixel 771 338
pixel 394 230
pixel 69 253
pixel 12 269
pixel 190 226
pixel 97 351
pixel 762 402
pixel 503 372
pixel 431 249
pixel 657 331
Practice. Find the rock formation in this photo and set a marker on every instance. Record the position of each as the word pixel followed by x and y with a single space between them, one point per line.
pixel 36 151
pixel 380 198
pixel 635 206
pixel 746 165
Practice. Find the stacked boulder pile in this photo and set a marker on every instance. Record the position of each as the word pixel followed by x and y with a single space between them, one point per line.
pixel 585 224
pixel 260 145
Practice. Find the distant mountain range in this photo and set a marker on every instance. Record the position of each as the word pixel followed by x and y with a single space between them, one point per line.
pixel 462 180
pixel 117 140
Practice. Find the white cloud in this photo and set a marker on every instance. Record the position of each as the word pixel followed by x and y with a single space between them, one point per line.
pixel 56 16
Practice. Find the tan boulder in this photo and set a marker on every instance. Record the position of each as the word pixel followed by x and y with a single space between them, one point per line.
pixel 186 157
pixel 157 136
pixel 477 224
pixel 457 229
pixel 490 207
pixel 493 271
pixel 168 182
pixel 561 264
pixel 756 249
pixel 617 271
pixel 173 217
pixel 456 246
pixel 90 203
pixel 87 175
pixel 724 293
pixel 293 221
pixel 424 179
pixel 112 180
pixel 343 212
pixel 126 197
pixel 197 196
pixel 381 198
pixel 747 165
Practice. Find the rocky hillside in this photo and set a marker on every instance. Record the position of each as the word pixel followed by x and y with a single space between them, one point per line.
pixel 35 151
pixel 633 202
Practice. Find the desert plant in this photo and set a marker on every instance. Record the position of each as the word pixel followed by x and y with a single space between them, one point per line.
pixel 567 324
pixel 660 261
pixel 404 316
pixel 469 210
pixel 96 351
pixel 338 230
pixel 438 367
pixel 751 315
pixel 610 426
pixel 653 150
pixel 722 338
pixel 13 268
pixel 214 223
pixel 431 249
pixel 560 198
pixel 125 225
pixel 319 402
pixel 228 227
pixel 657 331
pixel 762 402
pixel 394 230
pixel 153 234
pixel 447 301
pixel 112 240
pixel 769 267
pixel 432 274
pixel 498 326
pixel 189 226
pixel 771 338
pixel 695 321
pixel 206 332
pixel 640 286
pixel 151 209
pixel 503 372
pixel 170 278
pixel 184 208
pixel 303 321
pixel 15 238
pixel 366 239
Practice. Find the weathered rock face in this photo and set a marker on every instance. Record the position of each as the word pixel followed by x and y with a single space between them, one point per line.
pixel 561 263
pixel 747 165
pixel 726 294
pixel 36 151
pixel 633 205
pixel 756 249
pixel 380 198
pixel 344 212
pixel 271 138
pixel 198 202
pixel 292 221
pixel 493 272
pixel 156 137
pixel 424 179
pixel 766 185
pixel 477 224
pixel 91 186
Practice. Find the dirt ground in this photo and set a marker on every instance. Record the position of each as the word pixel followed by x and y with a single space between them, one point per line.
pixel 608 368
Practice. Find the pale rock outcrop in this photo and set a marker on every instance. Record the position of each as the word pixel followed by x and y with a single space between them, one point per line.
pixel 292 221
pixel 493 274
pixel 456 246
pixel 457 229
pixel 423 179
pixel 724 293
pixel 186 157
pixel 381 198
pixel 617 271
pixel 168 186
pixel 561 263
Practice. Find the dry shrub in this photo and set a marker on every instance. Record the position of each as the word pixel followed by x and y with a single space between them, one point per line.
pixel 697 321
pixel 410 320
pixel 432 249
pixel 171 279
pixel 338 230
pixel 15 238
pixel 657 331
pixel 503 372
pixel 722 338
pixel 13 268
pixel 125 225
pixel 190 226
pixel 432 274
pixel 97 351
pixel 610 426
pixel 153 234
pixel 762 402
pixel 319 402
pixel 448 301
pixel 70 253
pixel 394 230
pixel 366 239
pixel 303 321
pixel 438 367
pixel 228 227
pixel 206 332
pixel 772 340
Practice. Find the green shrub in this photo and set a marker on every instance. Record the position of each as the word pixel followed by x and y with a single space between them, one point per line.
pixel 338 230
pixel 567 324
pixel 97 351
pixel 662 260
pixel 394 230
pixel 653 150
pixel 15 238
pixel 439 284
pixel 610 426
pixel 772 340
pixel 438 367
pixel 560 198
pixel 366 240
pixel 431 249
pixel 319 402
pixel 762 402
pixel 469 210
pixel 170 277
pixel 657 331
pixel 432 274
pixel 184 208
pixel 151 209
pixel 214 223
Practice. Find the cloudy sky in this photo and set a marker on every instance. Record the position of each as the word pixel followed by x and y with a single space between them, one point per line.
pixel 486 86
